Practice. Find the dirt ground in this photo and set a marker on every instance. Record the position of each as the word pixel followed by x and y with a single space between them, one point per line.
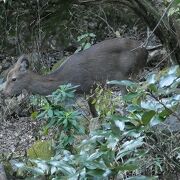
pixel 18 134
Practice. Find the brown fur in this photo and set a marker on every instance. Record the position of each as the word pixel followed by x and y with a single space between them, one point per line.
pixel 113 59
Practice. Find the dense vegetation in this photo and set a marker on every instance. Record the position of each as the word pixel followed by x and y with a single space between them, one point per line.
pixel 130 138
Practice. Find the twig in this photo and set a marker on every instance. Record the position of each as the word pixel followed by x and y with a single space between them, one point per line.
pixel 163 59
pixel 162 153
pixel 105 20
pixel 172 112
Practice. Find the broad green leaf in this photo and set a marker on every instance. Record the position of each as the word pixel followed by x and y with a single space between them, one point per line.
pixel 115 130
pixel 120 118
pixel 153 88
pixel 129 146
pixel 167 80
pixel 92 35
pixel 126 167
pixel 147 116
pixel 43 166
pixel 165 113
pixel 133 133
pixel 173 69
pixel 64 167
pixel 142 178
pixel 151 105
pixel 133 108
pixel 38 171
pixel 155 120
pixel 34 115
pixel 123 83
pixel 94 156
pixel 152 79
pixel 120 125
pixel 96 173
pixel 19 164
pixel 131 96
pixel 172 11
pixel 87 45
pixel 53 170
pixel 50 113
pixel 177 97
pixel 95 165
pixel 112 142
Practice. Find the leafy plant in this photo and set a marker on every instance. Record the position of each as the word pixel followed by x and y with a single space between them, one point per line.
pixel 153 101
pixel 85 40
pixel 175 9
pixel 124 146
pixel 58 112
pixel 105 101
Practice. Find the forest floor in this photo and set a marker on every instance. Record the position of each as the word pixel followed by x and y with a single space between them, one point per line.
pixel 17 134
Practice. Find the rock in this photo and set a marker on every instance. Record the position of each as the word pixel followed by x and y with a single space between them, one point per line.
pixel 171 124
pixel 2 57
pixel 2 85
pixel 2 173
pixel 6 65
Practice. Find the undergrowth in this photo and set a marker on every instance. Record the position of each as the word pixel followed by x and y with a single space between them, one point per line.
pixel 127 144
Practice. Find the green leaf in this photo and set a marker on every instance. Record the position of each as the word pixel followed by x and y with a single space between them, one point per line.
pixel 131 96
pixel 152 79
pixel 126 167
pixel 64 167
pixel 147 116
pixel 19 164
pixel 96 172
pixel 38 171
pixel 95 165
pixel 129 146
pixel 120 125
pixel 152 88
pixel 92 35
pixel 94 156
pixel 174 69
pixel 123 83
pixel 112 142
pixel 87 45
pixel 134 108
pixel 172 11
pixel 142 178
pixel 53 170
pixel 177 2
pixel 42 165
pixel 120 118
pixel 34 115
pixel 50 113
pixel 155 120
pixel 151 105
pixel 165 113
pixel 167 80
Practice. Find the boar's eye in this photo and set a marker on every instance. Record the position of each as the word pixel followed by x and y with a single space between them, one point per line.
pixel 13 79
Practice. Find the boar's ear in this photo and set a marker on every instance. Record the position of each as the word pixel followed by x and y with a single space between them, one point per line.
pixel 23 63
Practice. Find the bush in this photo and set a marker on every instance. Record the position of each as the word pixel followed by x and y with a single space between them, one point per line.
pixel 124 147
